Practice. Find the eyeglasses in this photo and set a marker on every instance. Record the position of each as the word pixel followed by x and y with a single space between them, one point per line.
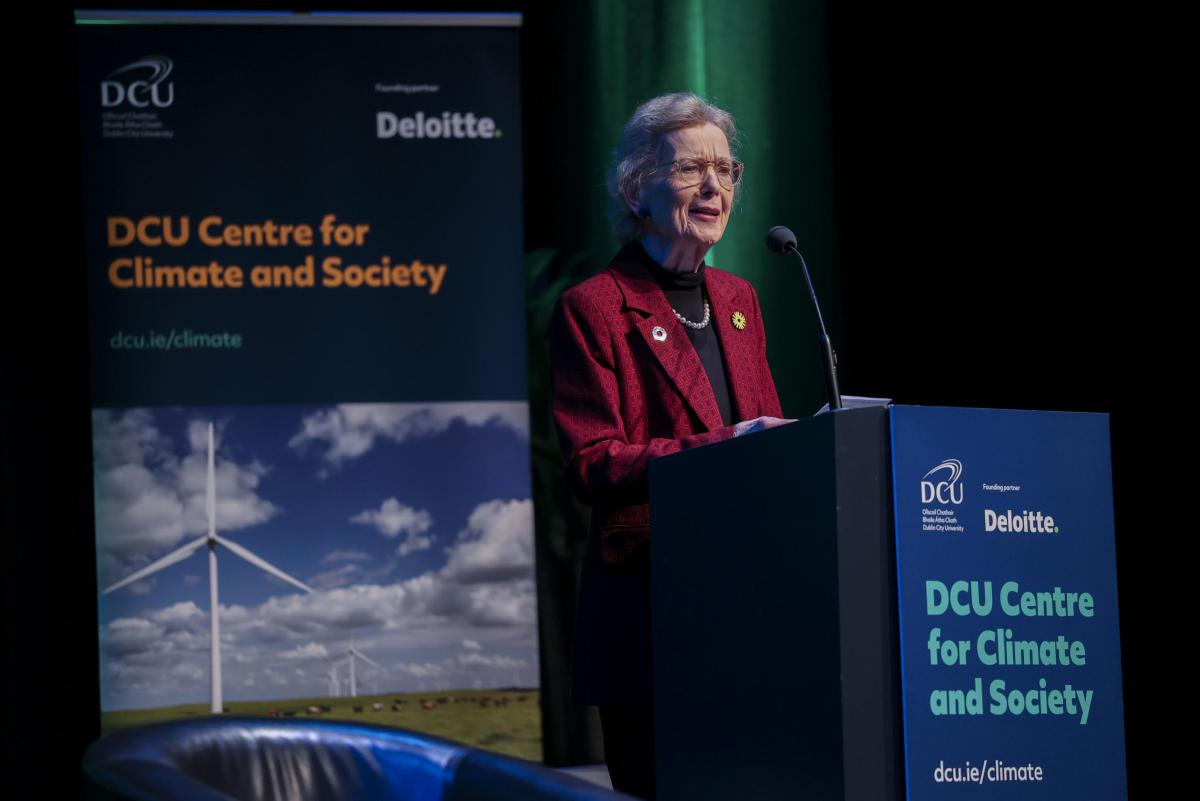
pixel 690 172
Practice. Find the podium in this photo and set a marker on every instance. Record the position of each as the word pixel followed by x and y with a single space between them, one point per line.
pixel 867 604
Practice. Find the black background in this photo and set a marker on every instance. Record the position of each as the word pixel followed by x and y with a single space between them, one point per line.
pixel 1028 206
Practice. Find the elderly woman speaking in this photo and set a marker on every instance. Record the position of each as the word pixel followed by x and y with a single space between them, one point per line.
pixel 656 354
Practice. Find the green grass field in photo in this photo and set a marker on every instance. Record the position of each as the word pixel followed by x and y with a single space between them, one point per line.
pixel 505 721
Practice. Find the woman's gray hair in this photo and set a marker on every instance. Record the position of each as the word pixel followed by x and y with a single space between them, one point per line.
pixel 638 150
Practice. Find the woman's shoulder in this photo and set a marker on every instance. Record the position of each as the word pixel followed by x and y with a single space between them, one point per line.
pixel 727 282
pixel 600 292
pixel 623 281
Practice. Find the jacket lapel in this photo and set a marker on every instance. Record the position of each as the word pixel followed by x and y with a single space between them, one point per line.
pixel 675 354
pixel 737 346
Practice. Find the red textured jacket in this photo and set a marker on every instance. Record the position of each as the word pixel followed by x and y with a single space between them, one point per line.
pixel 623 397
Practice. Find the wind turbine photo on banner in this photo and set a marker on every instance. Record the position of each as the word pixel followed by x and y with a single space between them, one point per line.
pixel 212 541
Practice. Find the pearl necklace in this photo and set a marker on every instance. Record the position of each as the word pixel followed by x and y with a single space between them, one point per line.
pixel 695 326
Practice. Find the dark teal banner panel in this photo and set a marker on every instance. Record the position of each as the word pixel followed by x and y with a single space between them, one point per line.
pixel 1006 571
pixel 285 213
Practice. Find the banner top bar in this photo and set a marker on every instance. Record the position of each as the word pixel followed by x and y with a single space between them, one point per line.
pixel 327 18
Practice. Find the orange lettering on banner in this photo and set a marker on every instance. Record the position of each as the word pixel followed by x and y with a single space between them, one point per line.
pixel 342 234
pixel 383 274
pixel 142 273
pixel 115 276
pixel 214 233
pixel 267 276
pixel 120 232
pixel 150 231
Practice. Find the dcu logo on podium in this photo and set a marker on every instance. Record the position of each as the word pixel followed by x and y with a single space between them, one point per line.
pixel 149 91
pixel 949 490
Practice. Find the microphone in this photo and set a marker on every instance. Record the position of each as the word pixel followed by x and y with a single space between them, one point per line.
pixel 780 240
pixel 783 241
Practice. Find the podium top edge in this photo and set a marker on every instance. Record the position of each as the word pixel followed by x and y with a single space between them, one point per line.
pixel 994 409
pixel 316 18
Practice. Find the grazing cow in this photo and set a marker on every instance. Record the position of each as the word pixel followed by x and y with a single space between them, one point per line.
pixel 272 713
pixel 395 707
pixel 485 701
pixel 377 706
pixel 289 713
pixel 442 700
pixel 315 710
pixel 357 708
pixel 427 704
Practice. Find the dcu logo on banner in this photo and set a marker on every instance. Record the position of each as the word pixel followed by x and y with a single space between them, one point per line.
pixel 144 90
pixel 949 490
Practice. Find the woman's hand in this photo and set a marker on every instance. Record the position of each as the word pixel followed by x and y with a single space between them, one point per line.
pixel 759 424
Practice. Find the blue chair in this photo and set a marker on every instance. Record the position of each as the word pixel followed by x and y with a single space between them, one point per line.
pixel 255 759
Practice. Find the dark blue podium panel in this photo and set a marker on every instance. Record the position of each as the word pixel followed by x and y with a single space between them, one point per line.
pixel 1006 574
pixel 774 622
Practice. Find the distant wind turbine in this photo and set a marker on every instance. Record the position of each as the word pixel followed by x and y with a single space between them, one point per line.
pixel 335 682
pixel 212 540
pixel 350 655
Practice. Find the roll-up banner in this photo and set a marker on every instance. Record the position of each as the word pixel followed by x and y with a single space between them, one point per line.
pixel 310 431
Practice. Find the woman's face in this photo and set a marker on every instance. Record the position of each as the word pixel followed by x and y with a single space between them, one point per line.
pixel 677 211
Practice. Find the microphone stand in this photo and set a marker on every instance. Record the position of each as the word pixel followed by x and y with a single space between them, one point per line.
pixel 828 357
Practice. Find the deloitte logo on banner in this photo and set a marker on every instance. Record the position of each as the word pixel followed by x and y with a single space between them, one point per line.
pixel 447 125
pixel 1023 522
pixel 144 90
pixel 948 491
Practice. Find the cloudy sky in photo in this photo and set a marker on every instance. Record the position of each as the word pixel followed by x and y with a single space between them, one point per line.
pixel 412 522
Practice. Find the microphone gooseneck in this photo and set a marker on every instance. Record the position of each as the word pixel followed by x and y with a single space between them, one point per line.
pixel 781 240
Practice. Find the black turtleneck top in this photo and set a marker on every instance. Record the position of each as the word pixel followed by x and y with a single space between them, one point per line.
pixel 685 293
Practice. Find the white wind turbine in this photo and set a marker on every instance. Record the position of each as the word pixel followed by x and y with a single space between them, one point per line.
pixel 350 656
pixel 335 682
pixel 212 540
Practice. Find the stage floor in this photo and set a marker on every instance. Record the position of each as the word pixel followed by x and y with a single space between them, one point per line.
pixel 596 774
